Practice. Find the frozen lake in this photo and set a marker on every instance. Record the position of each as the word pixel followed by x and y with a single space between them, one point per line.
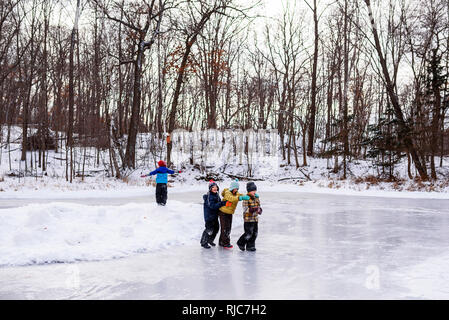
pixel 310 246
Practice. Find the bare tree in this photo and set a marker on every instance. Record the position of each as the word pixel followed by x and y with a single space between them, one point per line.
pixel 199 13
pixel 404 128
pixel 153 14
pixel 313 91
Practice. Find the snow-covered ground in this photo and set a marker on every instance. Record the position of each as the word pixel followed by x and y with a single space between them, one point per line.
pixel 317 175
pixel 310 246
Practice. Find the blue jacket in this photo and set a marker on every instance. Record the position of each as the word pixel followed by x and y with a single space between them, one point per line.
pixel 212 203
pixel 162 173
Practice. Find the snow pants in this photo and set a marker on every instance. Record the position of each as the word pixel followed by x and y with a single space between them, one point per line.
pixel 225 229
pixel 248 239
pixel 161 193
pixel 210 232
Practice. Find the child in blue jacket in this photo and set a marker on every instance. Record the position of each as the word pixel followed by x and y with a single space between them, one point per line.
pixel 161 182
pixel 212 203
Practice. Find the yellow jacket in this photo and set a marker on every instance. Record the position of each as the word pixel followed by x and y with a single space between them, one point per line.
pixel 229 196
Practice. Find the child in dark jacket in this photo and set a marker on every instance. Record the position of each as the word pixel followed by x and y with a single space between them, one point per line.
pixel 161 182
pixel 251 212
pixel 212 203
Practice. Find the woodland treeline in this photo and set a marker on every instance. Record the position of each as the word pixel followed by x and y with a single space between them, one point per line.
pixel 343 80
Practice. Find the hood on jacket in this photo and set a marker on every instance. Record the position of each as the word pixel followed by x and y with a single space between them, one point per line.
pixel 224 191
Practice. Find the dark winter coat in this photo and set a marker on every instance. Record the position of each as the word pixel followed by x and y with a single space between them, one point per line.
pixel 212 203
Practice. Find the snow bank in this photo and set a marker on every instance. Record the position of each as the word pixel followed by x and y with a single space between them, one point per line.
pixel 66 232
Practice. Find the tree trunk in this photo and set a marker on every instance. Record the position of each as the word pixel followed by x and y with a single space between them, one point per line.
pixel 404 129
pixel 179 81
pixel 71 94
pixel 130 155
pixel 314 84
pixel 436 112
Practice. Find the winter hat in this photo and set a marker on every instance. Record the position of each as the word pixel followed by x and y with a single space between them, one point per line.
pixel 234 185
pixel 161 163
pixel 213 183
pixel 251 186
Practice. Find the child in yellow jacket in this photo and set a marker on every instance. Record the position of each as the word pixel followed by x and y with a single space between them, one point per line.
pixel 232 198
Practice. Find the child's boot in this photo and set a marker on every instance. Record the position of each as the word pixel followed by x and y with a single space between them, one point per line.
pixel 240 245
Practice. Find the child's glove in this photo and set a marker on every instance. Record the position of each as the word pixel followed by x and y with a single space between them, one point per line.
pixel 228 204
pixel 259 210
pixel 143 176
pixel 256 195
pixel 243 198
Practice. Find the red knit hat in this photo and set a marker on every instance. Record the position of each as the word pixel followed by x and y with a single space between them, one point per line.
pixel 161 163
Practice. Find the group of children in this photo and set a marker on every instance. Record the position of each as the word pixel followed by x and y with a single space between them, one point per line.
pixel 218 212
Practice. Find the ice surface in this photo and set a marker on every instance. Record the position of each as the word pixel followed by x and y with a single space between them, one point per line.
pixel 310 246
